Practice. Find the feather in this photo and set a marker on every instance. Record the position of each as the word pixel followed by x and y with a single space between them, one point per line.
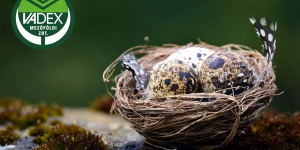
pixel 268 36
pixel 130 63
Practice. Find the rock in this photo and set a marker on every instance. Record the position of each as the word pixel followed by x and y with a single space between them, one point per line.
pixel 115 131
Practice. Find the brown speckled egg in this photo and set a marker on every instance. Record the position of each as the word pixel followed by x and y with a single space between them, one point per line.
pixel 172 78
pixel 226 69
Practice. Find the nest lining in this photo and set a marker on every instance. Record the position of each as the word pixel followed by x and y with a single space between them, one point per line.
pixel 184 119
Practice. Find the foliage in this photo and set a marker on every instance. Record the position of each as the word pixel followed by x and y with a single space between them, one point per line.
pixel 7 137
pixel 17 115
pixel 39 131
pixel 72 137
pixel 23 116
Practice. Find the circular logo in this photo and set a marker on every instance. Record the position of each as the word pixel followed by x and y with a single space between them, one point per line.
pixel 43 24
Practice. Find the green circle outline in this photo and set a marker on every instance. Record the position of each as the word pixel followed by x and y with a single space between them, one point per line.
pixel 43 47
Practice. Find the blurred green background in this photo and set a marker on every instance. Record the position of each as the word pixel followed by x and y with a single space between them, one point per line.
pixel 71 74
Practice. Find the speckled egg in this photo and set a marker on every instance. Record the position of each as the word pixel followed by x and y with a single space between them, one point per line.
pixel 172 78
pixel 226 69
pixel 193 56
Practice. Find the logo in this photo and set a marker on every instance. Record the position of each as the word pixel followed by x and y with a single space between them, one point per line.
pixel 43 24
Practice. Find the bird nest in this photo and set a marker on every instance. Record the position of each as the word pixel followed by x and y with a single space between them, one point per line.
pixel 186 119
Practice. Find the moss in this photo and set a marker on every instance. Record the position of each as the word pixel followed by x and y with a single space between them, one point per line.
pixel 30 119
pixel 40 131
pixel 11 102
pixel 65 130
pixel 72 137
pixel 8 137
pixel 10 109
pixel 102 103
pixel 13 110
pixel 49 110
pixel 11 127
pixel 56 123
pixel 55 136
pixel 44 133
pixel 271 131
pixel 77 141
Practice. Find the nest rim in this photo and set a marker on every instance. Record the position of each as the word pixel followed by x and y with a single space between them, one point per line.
pixel 148 117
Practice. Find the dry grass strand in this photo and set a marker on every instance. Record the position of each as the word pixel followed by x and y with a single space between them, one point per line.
pixel 184 119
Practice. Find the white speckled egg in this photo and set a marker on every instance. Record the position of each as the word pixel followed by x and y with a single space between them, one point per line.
pixel 226 69
pixel 172 78
pixel 193 56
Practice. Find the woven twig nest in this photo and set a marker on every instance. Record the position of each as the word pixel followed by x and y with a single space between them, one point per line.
pixel 185 119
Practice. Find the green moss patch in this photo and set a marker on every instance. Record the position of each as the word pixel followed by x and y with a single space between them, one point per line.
pixel 19 115
pixel 23 116
pixel 71 137
pixel 271 131
pixel 7 137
